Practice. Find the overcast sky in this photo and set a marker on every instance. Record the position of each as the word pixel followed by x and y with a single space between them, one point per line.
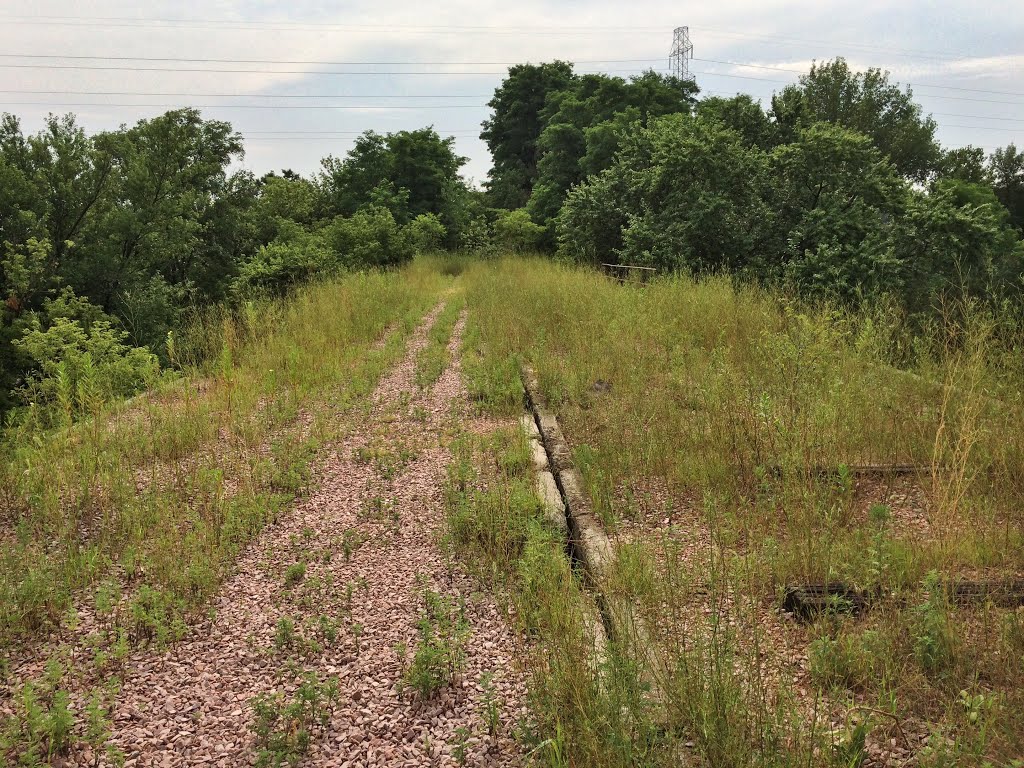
pixel 965 60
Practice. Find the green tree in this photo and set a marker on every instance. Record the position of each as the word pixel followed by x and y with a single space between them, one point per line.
pixel 409 173
pixel 140 257
pixel 865 102
pixel 743 115
pixel 964 164
pixel 585 123
pixel 513 130
pixel 683 193
pixel 833 194
pixel 1006 168
pixel 956 239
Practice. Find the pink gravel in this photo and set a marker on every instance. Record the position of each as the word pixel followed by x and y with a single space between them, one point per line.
pixel 191 704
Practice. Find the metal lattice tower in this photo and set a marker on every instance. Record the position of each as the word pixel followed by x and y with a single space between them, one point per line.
pixel 682 52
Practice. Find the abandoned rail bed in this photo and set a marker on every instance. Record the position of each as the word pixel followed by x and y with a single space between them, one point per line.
pixel 507 512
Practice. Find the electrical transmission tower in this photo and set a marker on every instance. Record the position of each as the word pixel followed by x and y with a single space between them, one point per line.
pixel 682 52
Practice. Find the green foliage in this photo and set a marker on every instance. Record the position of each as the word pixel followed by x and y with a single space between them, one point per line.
pixel 427 232
pixel 513 130
pixel 683 193
pixel 39 731
pixel 585 123
pixel 293 257
pixel 742 115
pixel 819 207
pixel 408 173
pixel 1006 169
pixel 294 574
pixel 284 727
pixel 441 650
pixel 864 102
pixel 515 232
pixel 155 616
pixel 81 365
pixel 934 637
pixel 371 237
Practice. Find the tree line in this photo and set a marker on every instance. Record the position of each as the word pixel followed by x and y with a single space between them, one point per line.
pixel 109 241
pixel 838 189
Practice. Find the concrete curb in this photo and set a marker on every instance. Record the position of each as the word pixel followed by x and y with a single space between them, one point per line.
pixel 590 544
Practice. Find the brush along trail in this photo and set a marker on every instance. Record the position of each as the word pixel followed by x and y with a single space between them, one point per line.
pixel 346 587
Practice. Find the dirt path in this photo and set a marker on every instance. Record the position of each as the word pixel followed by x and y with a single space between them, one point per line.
pixel 368 538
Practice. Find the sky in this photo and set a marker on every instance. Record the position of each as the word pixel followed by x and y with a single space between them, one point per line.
pixel 301 78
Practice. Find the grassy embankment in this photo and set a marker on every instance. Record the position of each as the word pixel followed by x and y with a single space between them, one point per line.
pixel 153 498
pixel 700 415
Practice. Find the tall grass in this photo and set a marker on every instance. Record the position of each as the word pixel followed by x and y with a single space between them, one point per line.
pixel 738 415
pixel 159 493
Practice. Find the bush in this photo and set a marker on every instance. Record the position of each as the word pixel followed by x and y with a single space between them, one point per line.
pixel 426 232
pixel 293 257
pixel 515 232
pixel 80 364
pixel 370 238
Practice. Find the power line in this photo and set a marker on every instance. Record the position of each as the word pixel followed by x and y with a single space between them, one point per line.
pixel 320 27
pixel 985 128
pixel 980 117
pixel 176 70
pixel 245 106
pixel 914 85
pixel 186 94
pixel 344 106
pixel 304 62
pixel 92 67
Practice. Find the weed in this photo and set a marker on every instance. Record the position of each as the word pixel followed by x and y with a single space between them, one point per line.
pixel 460 747
pixel 294 574
pixel 440 652
pixel 40 728
pixel 284 633
pixel 76 487
pixel 351 541
pixel 492 709
pixel 156 616
pixel 328 629
pixel 934 639
pixel 850 749
pixel 284 727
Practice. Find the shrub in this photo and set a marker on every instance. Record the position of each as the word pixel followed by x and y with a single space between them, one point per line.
pixel 293 257
pixel 369 238
pixel 81 365
pixel 426 232
pixel 514 231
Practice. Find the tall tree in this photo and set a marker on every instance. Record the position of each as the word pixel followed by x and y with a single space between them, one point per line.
pixel 865 102
pixel 964 164
pixel 1006 168
pixel 743 115
pixel 409 172
pixel 511 133
pixel 584 123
